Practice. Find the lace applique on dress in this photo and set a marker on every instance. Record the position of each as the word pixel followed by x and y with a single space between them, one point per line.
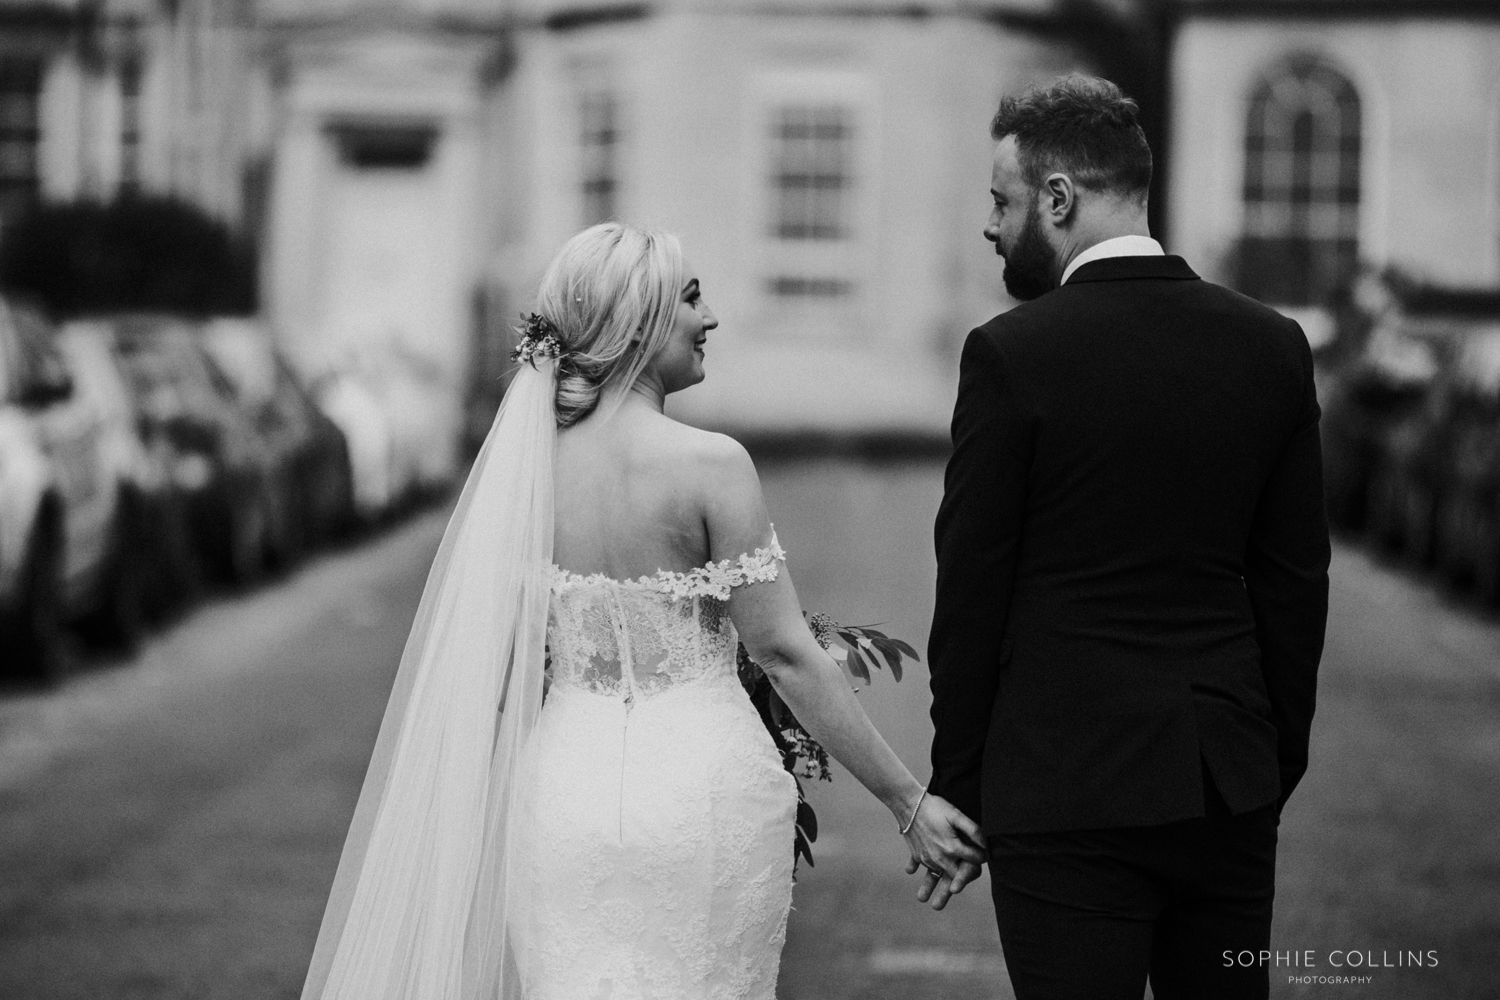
pixel 715 579
pixel 631 638
pixel 720 578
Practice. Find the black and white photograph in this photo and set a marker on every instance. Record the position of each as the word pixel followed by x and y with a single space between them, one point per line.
pixel 749 499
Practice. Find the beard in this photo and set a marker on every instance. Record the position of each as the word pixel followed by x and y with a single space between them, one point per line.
pixel 1029 264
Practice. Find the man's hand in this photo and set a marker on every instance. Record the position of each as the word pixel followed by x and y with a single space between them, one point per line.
pixel 948 845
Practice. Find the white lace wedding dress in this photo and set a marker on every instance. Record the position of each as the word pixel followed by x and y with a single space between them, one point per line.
pixel 654 858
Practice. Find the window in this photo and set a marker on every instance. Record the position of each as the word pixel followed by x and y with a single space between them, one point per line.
pixel 1301 191
pixel 20 93
pixel 785 286
pixel 130 123
pixel 599 141
pixel 813 212
pixel 381 146
pixel 811 157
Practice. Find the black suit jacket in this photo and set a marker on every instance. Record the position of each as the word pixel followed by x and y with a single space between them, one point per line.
pixel 1132 556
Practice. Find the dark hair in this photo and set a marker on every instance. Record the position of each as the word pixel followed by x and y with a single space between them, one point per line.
pixel 1082 126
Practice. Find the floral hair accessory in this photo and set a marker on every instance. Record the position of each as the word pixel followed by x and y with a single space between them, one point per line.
pixel 538 339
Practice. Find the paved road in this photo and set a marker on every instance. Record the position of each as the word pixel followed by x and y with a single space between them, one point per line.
pixel 168 827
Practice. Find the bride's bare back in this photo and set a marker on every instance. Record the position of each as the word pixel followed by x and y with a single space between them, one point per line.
pixel 634 492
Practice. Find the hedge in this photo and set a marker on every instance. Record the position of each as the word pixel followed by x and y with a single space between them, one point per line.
pixel 137 253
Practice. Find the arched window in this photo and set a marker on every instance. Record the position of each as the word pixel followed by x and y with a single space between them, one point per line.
pixel 1302 147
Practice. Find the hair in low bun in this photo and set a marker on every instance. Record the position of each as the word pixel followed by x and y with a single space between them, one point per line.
pixel 611 292
pixel 578 389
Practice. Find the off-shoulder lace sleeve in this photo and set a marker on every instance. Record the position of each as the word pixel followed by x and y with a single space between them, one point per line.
pixel 720 578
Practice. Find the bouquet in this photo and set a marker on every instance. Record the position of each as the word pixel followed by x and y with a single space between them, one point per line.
pixel 801 755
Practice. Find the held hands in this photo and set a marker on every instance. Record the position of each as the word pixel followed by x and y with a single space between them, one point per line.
pixel 936 890
pixel 945 847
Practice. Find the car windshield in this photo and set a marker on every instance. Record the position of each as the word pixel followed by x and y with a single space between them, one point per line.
pixel 246 361
pixel 87 350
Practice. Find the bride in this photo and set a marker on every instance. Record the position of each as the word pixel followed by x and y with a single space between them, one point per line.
pixel 571 797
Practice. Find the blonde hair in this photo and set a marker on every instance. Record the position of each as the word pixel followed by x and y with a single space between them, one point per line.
pixel 611 292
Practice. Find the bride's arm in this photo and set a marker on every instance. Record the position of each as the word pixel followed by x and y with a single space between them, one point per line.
pixel 769 620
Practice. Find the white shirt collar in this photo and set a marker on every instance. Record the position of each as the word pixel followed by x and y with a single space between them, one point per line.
pixel 1120 246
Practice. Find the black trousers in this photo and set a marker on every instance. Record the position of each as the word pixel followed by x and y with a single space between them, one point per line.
pixel 1091 914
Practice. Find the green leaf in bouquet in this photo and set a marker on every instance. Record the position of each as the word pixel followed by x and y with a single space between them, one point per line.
pixel 851 637
pixel 856 661
pixel 800 849
pixel 870 651
pixel 876 636
pixel 890 652
pixel 905 648
pixel 807 820
pixel 780 714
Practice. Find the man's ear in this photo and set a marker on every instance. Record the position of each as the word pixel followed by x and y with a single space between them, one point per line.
pixel 1059 199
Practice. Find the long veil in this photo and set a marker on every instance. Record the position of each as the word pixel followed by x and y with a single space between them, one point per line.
pixel 418 905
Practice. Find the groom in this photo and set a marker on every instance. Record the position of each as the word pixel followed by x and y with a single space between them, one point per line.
pixel 1132 580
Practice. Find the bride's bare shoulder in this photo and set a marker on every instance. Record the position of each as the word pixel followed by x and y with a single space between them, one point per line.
pixel 718 471
pixel 697 453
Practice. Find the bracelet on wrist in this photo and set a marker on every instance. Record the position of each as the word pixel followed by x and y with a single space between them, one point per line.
pixel 914 810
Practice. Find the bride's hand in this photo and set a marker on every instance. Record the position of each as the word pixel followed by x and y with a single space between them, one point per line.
pixel 935 889
pixel 942 839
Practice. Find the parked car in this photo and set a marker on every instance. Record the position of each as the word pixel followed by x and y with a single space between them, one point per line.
pixel 1416 477
pixel 1468 519
pixel 224 468
pixel 310 452
pixel 162 559
pixel 1406 486
pixel 67 507
pixel 356 411
pixel 1365 403
pixel 393 416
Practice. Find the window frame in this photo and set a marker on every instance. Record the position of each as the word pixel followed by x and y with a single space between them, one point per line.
pixel 599 140
pixel 22 188
pixel 824 277
pixel 811 171
pixel 1302 191
pixel 132 85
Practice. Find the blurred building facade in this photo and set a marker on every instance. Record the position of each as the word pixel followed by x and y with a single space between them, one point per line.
pixel 1311 137
pixel 411 165
pixel 825 163
pixel 103 97
pixel 380 227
